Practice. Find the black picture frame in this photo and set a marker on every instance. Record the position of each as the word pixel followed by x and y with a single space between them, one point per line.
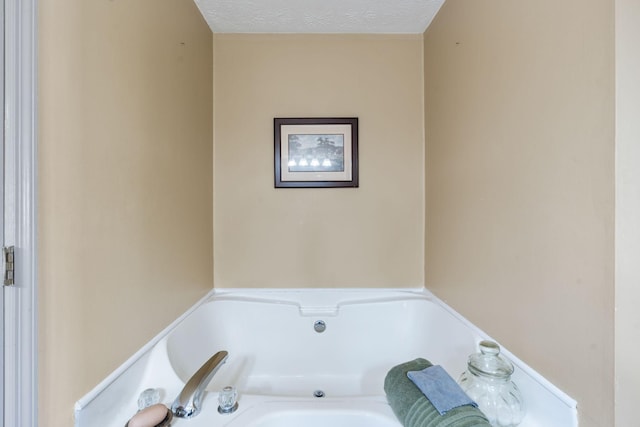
pixel 317 152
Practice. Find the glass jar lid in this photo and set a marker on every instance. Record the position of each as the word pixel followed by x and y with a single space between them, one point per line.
pixel 488 362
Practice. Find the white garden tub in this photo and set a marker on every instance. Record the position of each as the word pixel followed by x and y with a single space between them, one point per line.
pixel 278 361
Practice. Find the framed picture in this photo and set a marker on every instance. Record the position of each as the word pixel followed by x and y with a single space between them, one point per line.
pixel 316 152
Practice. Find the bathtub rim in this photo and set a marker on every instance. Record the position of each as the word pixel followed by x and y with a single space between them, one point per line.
pixel 239 294
pixel 383 294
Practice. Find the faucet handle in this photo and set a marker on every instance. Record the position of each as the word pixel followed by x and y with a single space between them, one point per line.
pixel 148 397
pixel 227 399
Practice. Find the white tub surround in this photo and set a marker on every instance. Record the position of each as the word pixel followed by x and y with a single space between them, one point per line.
pixel 278 359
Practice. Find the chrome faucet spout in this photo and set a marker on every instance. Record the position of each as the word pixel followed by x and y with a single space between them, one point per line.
pixel 189 401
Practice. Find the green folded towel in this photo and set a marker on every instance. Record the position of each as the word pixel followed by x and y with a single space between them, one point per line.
pixel 413 409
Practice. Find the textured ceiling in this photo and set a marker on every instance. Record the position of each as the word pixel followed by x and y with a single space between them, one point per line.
pixel 319 16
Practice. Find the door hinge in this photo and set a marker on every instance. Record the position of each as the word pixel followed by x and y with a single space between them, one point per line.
pixel 8 265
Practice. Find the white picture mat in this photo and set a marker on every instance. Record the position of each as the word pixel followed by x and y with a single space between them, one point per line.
pixel 286 130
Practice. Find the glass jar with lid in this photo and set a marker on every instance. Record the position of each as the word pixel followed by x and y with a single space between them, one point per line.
pixel 487 381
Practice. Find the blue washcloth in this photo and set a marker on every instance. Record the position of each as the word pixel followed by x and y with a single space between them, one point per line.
pixel 441 390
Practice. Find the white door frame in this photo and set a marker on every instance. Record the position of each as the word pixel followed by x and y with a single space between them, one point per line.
pixel 2 207
pixel 20 351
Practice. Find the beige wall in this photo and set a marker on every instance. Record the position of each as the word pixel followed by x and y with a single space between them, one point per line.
pixel 627 211
pixel 520 183
pixel 125 184
pixel 371 236
pixel 519 172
